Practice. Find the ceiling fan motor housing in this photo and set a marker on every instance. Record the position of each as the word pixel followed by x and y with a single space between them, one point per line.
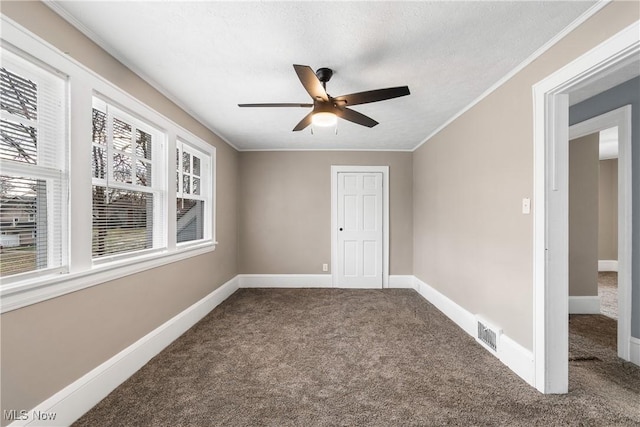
pixel 324 74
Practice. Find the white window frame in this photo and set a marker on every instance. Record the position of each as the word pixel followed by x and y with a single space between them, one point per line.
pixel 82 272
pixel 206 186
pixel 53 174
pixel 158 170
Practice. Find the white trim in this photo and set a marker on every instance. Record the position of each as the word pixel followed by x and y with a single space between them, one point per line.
pixel 285 280
pixel 460 316
pixel 390 150
pixel 550 224
pixel 634 344
pixel 513 355
pixel 584 305
pixel 70 403
pixel 397 281
pixel 385 216
pixel 608 265
pixel 310 281
pixel 548 45
pixel 517 358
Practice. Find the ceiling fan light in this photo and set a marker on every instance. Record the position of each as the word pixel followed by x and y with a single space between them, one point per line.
pixel 324 118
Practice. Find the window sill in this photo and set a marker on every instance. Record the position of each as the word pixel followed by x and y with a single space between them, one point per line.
pixel 35 290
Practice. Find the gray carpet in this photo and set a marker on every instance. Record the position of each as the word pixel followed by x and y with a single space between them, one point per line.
pixel 608 293
pixel 329 357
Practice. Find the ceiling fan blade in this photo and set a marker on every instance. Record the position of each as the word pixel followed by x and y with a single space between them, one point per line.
pixel 310 82
pixel 306 121
pixel 355 117
pixel 290 104
pixel 373 95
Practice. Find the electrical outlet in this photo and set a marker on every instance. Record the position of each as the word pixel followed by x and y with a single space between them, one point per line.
pixel 526 206
pixel 325 267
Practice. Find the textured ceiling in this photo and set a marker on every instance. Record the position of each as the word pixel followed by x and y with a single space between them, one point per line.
pixel 210 56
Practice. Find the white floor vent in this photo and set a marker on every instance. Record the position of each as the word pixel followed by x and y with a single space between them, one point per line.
pixel 488 335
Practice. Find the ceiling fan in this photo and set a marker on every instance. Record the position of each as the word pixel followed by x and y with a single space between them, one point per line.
pixel 326 108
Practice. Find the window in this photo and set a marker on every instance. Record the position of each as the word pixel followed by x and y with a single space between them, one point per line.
pixel 33 181
pixel 127 190
pixel 87 191
pixel 193 188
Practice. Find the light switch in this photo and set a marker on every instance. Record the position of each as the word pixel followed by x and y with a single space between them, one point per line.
pixel 526 206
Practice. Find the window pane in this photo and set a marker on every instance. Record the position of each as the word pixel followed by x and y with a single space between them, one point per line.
pixel 121 135
pixel 18 142
pixel 122 168
pixel 190 214
pixel 122 221
pixel 185 184
pixel 196 166
pixel 18 95
pixel 143 173
pixel 23 225
pixel 99 162
pixel 143 144
pixel 186 162
pixel 196 186
pixel 99 132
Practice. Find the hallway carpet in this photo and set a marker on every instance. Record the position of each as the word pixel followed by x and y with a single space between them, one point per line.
pixel 331 357
pixel 608 293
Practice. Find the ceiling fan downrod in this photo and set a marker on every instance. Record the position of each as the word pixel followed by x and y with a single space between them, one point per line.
pixel 324 75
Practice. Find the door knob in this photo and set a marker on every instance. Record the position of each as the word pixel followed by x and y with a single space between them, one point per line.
pixel 340 228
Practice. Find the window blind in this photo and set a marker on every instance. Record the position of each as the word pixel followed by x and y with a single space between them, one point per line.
pixel 127 208
pixel 33 183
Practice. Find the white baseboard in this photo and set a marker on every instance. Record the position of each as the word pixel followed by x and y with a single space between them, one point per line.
pixel 310 281
pixel 401 281
pixel 608 265
pixel 70 403
pixel 513 355
pixel 517 358
pixel 634 350
pixel 584 305
pixel 453 311
pixel 285 280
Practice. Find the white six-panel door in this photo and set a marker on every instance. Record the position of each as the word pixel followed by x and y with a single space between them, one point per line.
pixel 360 230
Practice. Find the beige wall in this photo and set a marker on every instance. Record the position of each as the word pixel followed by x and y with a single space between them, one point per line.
pixel 47 346
pixel 471 241
pixel 285 209
pixel 608 210
pixel 583 215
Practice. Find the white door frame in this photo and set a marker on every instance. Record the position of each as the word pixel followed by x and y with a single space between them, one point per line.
pixel 385 217
pixel 621 118
pixel 550 251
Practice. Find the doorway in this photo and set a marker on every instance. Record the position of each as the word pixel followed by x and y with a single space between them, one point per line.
pixel 604 257
pixel 601 68
pixel 360 226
